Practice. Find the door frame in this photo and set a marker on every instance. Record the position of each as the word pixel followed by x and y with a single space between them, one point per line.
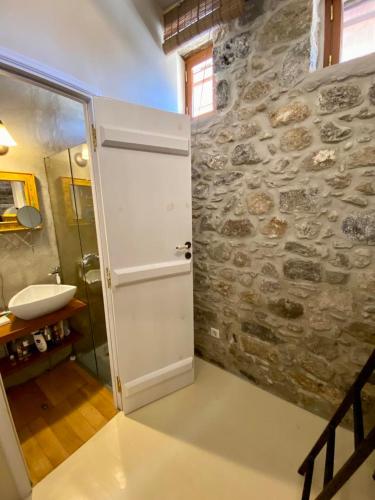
pixel 57 81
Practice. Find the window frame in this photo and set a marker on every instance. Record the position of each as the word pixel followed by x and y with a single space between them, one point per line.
pixel 192 60
pixel 332 32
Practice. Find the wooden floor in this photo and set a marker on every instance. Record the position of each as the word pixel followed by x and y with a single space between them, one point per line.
pixel 56 413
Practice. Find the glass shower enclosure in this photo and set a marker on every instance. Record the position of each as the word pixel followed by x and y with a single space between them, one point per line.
pixel 69 183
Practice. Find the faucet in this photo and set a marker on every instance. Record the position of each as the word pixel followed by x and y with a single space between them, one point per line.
pixel 56 272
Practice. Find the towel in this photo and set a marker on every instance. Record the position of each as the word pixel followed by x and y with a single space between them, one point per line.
pixel 4 320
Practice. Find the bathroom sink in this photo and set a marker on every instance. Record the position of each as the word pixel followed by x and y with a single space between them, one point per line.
pixel 38 300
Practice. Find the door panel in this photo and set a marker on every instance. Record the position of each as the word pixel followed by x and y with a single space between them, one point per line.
pixel 143 177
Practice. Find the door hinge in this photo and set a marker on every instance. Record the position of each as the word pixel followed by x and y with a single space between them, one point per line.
pixel 186 77
pixel 94 137
pixel 109 278
pixel 332 11
pixel 118 384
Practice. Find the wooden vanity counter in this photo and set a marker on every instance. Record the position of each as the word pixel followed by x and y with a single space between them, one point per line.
pixel 21 327
pixel 18 328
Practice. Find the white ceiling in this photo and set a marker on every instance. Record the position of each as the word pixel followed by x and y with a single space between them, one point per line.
pixel 164 4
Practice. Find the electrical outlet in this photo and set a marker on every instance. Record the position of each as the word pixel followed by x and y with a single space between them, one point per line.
pixel 214 332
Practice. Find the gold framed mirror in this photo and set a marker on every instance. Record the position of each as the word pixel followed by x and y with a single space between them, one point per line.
pixel 78 200
pixel 17 190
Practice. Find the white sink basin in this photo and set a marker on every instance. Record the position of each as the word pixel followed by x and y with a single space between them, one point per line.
pixel 38 300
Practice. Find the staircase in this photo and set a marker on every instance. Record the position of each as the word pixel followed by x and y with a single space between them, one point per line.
pixel 363 445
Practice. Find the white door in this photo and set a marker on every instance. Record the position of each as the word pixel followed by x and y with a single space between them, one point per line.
pixel 142 177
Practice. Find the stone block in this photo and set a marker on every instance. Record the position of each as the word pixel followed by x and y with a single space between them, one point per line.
pixel 360 227
pixel 337 277
pixel 222 94
pixel 291 113
pixel 331 133
pixel 339 98
pixel 357 201
pixel 201 190
pixel 214 161
pixel 204 316
pixel 241 259
pixel 371 93
pixel 300 249
pixel 339 180
pixel 245 154
pixel 227 53
pixel 287 24
pixel 362 331
pixel 298 200
pixel 228 178
pixel 262 332
pixel 270 270
pixel 286 308
pixel 295 64
pixel 220 252
pixel 364 157
pixel 256 90
pixel 275 228
pixel 296 269
pixel 237 228
pixel 259 203
pixel 295 139
pixel 367 188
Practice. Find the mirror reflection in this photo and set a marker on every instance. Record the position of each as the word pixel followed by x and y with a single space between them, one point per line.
pixel 17 190
pixel 78 200
pixel 12 196
pixel 29 217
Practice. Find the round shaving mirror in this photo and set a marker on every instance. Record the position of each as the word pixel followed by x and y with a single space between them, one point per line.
pixel 29 217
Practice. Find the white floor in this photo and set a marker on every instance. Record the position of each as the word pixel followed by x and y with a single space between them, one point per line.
pixel 221 439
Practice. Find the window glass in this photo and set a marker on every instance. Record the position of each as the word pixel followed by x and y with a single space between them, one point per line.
pixel 202 88
pixel 358 31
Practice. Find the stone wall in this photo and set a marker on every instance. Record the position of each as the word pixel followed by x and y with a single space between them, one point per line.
pixel 284 211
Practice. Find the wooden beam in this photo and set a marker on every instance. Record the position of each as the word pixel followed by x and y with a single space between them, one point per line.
pixel 308 481
pixel 330 456
pixel 358 420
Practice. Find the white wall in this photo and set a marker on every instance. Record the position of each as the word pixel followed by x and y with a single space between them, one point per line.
pixel 42 123
pixel 114 45
pixel 8 487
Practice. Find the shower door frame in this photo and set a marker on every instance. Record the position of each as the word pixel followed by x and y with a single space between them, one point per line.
pixel 59 82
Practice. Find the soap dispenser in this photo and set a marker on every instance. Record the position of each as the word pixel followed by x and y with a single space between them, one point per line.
pixel 40 341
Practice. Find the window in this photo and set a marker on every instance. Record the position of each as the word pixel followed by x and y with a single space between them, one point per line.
pixel 188 18
pixel 349 30
pixel 199 83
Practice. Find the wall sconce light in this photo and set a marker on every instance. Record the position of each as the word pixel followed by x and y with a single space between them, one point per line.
pixel 6 140
pixel 82 158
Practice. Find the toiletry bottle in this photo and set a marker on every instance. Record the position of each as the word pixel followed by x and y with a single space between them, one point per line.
pixel 48 336
pixel 66 328
pixel 55 333
pixel 40 341
pixel 26 351
pixel 19 351
pixel 60 329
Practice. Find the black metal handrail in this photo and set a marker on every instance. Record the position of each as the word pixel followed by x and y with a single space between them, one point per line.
pixel 363 445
